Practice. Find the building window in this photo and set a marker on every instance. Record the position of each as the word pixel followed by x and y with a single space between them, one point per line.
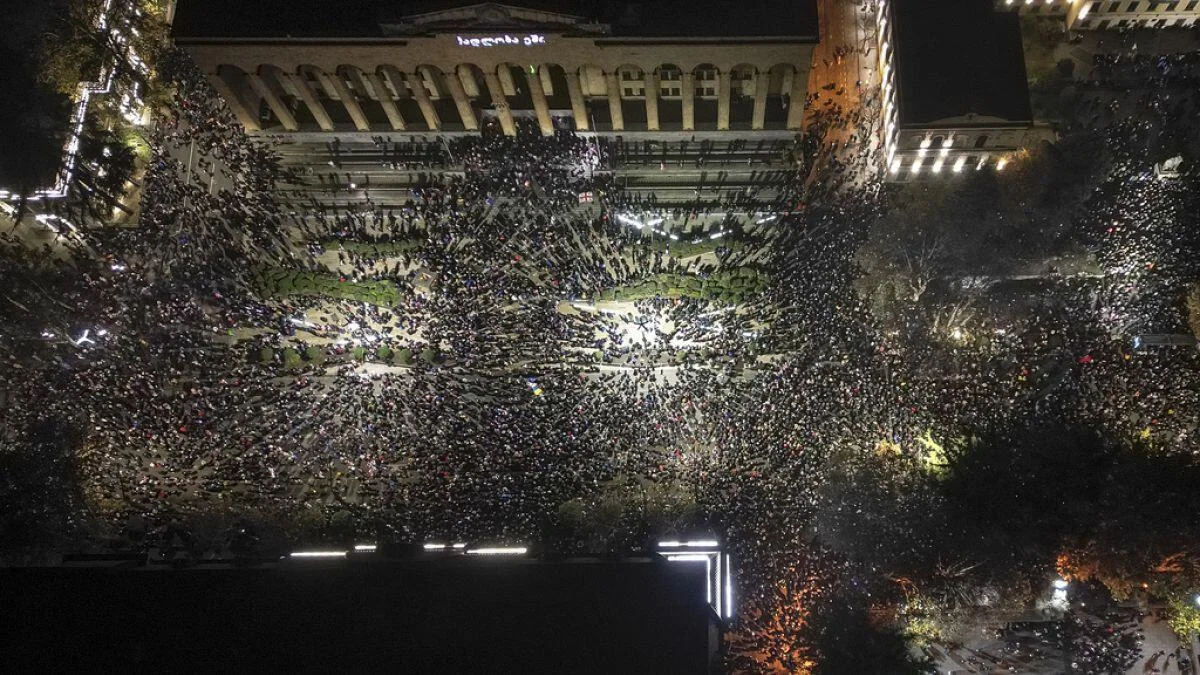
pixel 668 74
pixel 981 141
pixel 1103 25
pixel 1191 5
pixel 670 91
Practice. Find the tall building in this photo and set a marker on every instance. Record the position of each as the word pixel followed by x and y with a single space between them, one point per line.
pixel 1106 14
pixel 428 65
pixel 955 91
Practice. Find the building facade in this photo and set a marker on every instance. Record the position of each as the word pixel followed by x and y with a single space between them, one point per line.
pixel 1110 14
pixel 955 96
pixel 448 69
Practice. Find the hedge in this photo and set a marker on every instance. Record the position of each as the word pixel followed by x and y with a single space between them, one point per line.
pixel 291 358
pixel 281 282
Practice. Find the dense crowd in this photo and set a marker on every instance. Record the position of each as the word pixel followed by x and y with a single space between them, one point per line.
pixel 543 392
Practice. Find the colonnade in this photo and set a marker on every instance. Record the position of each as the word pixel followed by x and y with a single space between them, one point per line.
pixel 428 98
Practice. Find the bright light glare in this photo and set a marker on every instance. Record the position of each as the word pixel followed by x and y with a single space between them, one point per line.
pixel 319 554
pixel 434 547
pixel 514 550
pixel 364 548
pixel 460 546
pixel 630 221
pixel 1060 583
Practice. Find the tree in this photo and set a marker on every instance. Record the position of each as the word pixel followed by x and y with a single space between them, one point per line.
pixel 77 50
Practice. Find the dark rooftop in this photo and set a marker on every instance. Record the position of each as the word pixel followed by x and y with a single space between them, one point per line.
pixel 955 57
pixel 628 18
pixel 457 616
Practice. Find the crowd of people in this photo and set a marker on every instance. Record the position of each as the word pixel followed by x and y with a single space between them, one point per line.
pixel 543 391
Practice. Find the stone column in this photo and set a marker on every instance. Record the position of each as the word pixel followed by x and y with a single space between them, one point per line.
pixel 539 103
pixel 578 107
pixel 724 82
pixel 762 82
pixel 500 102
pixel 236 103
pixel 504 72
pixel 306 94
pixel 614 101
pixel 416 82
pixel 795 117
pixel 385 100
pixel 465 112
pixel 277 105
pixel 688 84
pixel 335 84
pixel 651 80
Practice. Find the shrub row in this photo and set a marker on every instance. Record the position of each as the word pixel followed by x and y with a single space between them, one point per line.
pixel 727 285
pixel 280 282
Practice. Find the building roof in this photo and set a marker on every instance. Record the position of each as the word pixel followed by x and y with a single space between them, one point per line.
pixel 445 616
pixel 957 57
pixel 627 18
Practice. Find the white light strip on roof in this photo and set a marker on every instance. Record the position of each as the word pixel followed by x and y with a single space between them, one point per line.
pixel 499 550
pixel 319 554
pixel 434 547
pixel 364 548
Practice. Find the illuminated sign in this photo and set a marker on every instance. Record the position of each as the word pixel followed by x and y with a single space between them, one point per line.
pixel 502 40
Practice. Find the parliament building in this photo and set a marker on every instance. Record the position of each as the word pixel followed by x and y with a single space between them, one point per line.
pixel 421 66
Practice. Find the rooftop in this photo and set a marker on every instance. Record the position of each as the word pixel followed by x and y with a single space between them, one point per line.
pixel 627 18
pixel 957 57
pixel 445 616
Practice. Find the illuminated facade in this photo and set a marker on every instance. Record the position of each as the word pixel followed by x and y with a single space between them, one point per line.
pixel 1109 14
pixel 447 67
pixel 954 87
